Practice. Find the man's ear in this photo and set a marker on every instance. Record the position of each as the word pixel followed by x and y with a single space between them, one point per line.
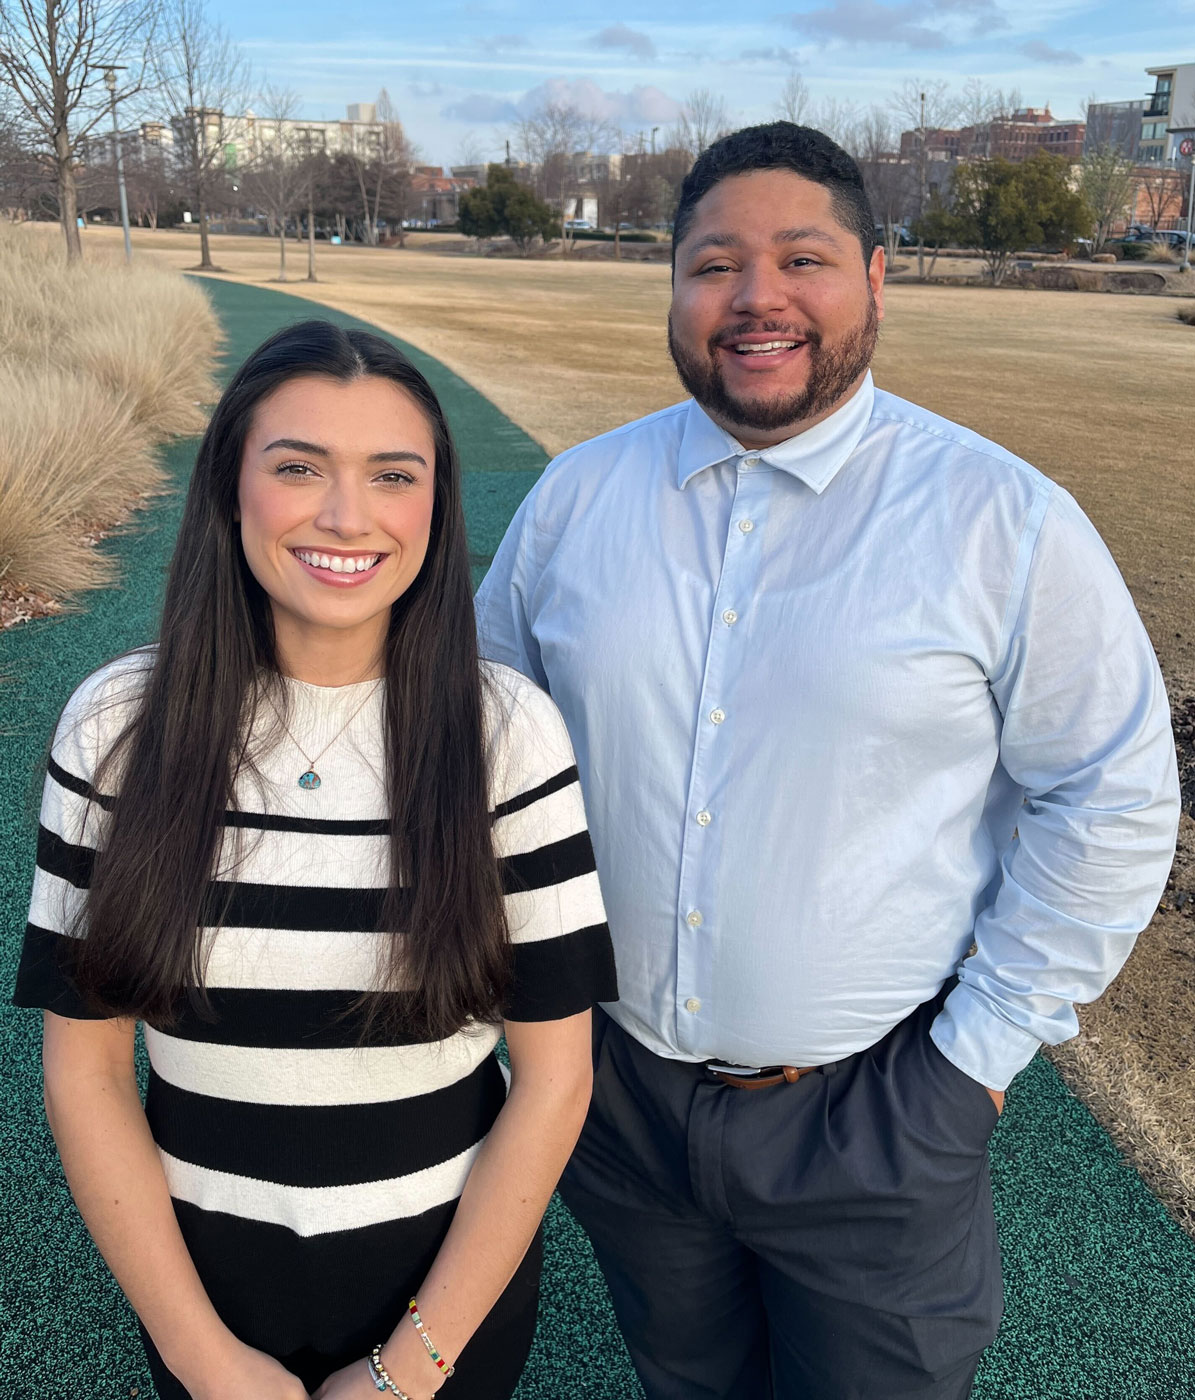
pixel 875 275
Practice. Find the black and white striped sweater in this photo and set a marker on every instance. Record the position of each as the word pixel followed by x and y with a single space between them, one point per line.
pixel 281 1136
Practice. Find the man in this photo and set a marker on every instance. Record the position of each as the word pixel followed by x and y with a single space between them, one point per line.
pixel 851 690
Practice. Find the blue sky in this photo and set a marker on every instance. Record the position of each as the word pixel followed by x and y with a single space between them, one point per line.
pixel 460 72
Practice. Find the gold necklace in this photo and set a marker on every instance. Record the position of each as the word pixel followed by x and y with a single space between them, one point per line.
pixel 309 779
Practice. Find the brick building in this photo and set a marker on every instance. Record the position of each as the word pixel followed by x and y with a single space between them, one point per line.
pixel 435 197
pixel 1016 138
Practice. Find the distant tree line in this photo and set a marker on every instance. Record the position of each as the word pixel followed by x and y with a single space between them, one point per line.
pixel 170 57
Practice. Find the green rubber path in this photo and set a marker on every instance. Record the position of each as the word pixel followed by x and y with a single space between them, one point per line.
pixel 1100 1282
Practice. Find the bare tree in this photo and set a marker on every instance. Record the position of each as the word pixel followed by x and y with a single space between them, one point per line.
pixel 398 157
pixel 206 84
pixel 1160 187
pixel 274 180
pixel 615 189
pixel 380 156
pixel 795 103
pixel 885 175
pixel 926 107
pixel 978 105
pixel 1106 183
pixel 313 175
pixel 703 119
pixel 552 138
pixel 837 119
pixel 26 180
pixel 469 150
pixel 53 56
pixel 149 180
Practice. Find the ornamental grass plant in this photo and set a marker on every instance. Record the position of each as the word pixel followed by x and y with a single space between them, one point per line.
pixel 99 363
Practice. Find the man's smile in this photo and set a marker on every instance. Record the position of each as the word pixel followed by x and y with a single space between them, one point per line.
pixel 767 349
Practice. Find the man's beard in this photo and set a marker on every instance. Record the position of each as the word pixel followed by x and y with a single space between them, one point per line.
pixel 832 372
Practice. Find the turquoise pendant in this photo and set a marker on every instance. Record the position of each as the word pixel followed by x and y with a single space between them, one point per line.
pixel 309 781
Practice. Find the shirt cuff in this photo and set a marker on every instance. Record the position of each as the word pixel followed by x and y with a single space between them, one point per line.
pixel 978 1040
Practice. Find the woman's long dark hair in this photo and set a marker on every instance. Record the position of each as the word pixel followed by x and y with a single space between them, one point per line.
pixel 177 762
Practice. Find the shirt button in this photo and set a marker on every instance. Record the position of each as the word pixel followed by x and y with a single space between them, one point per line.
pixel 717 716
pixel 746 526
pixel 693 1005
pixel 749 462
pixel 703 818
pixel 730 617
pixel 694 918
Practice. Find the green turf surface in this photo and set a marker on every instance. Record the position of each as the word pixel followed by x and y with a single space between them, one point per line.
pixel 1100 1282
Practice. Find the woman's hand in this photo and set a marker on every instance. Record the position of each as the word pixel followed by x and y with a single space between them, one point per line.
pixel 247 1374
pixel 355 1382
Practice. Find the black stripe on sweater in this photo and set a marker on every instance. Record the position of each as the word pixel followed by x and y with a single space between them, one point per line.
pixel 241 904
pixel 58 857
pixel 558 977
pixel 340 1291
pixel 307 826
pixel 304 908
pixel 563 779
pixel 43 976
pixel 262 1018
pixel 336 1145
pixel 552 864
pixel 79 786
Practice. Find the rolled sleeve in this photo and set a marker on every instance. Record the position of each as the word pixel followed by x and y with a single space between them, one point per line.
pixel 1086 733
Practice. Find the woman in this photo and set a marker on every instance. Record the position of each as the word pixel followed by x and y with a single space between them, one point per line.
pixel 325 858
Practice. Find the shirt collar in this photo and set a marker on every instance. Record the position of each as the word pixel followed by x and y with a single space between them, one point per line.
pixel 813 456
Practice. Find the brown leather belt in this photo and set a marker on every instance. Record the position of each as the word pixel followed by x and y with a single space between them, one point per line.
pixel 772 1074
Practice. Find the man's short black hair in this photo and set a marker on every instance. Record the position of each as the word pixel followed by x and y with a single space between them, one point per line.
pixel 780 146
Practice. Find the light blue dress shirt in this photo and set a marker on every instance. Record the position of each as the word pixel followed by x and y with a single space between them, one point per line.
pixel 841 708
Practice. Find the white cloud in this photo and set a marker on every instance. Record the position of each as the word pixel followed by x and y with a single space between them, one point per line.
pixel 643 105
pixel 480 107
pixel 632 41
pixel 922 25
pixel 1042 53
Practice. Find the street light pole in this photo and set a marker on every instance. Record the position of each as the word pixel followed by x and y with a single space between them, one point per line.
pixel 921 196
pixel 1190 210
pixel 110 84
pixel 1187 148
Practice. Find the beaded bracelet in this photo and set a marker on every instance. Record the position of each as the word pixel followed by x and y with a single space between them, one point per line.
pixel 443 1365
pixel 380 1376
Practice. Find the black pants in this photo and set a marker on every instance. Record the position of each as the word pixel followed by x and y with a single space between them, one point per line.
pixel 831 1239
pixel 487 1369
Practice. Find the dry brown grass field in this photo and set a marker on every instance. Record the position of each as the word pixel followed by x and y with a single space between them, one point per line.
pixel 1096 390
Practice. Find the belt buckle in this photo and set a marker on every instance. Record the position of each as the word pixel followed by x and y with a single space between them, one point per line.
pixel 736 1071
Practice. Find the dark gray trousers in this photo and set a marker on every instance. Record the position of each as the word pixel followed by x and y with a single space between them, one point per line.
pixel 831 1239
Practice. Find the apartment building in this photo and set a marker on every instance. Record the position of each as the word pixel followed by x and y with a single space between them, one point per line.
pixel 1171 104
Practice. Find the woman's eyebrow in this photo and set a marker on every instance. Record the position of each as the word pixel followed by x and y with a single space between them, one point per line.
pixel 399 456
pixel 298 445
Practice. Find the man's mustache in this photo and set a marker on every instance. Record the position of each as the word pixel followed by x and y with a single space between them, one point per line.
pixel 783 330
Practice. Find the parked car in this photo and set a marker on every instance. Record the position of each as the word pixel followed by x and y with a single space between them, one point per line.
pixel 578 224
pixel 904 239
pixel 1136 243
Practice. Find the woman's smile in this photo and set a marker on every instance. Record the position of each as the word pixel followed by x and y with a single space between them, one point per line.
pixel 339 570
